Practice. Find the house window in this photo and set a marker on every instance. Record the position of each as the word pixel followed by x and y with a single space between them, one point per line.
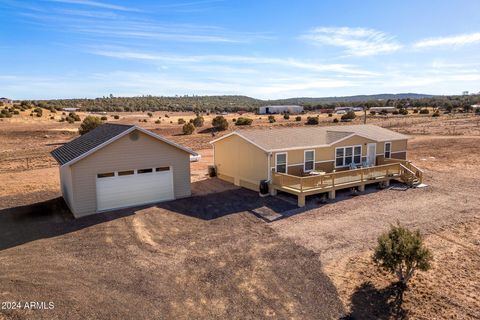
pixel 357 154
pixel 388 150
pixel 309 160
pixel 162 169
pixel 281 162
pixel 126 173
pixel 144 170
pixel 345 156
pixel 339 157
pixel 106 175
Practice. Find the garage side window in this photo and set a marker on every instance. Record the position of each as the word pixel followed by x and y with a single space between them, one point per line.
pixel 106 175
pixel 281 162
pixel 139 171
pixel 126 173
pixel 162 169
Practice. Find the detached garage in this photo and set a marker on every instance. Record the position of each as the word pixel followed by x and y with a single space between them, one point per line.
pixel 118 166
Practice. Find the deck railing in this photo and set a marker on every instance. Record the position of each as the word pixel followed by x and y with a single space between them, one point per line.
pixel 409 165
pixel 337 179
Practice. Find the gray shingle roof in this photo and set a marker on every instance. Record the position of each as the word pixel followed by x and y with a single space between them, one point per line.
pixel 87 142
pixel 315 136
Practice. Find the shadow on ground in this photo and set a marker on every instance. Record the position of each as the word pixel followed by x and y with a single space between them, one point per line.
pixel 369 302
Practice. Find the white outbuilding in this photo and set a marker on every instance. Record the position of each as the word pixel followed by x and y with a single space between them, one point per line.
pixel 292 109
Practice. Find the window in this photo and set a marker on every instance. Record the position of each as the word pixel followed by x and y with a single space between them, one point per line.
pixel 281 162
pixel 309 160
pixel 357 154
pixel 106 175
pixel 162 169
pixel 126 173
pixel 345 156
pixel 388 150
pixel 144 170
pixel 339 157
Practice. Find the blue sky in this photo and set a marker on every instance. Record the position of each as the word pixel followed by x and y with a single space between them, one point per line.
pixel 264 49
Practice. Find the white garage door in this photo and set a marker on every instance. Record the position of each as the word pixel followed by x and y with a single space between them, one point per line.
pixel 134 187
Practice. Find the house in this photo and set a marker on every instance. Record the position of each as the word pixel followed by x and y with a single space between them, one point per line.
pixel 70 109
pixel 313 159
pixel 280 109
pixel 116 166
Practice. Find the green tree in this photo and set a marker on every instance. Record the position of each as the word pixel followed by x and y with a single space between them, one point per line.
pixel 241 121
pixel 188 128
pixel 198 121
pixel 402 252
pixel 220 123
pixel 312 120
pixel 88 124
pixel 350 115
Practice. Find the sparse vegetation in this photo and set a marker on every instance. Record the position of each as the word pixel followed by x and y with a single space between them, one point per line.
pixel 312 120
pixel 188 128
pixel 181 121
pixel 88 124
pixel 401 252
pixel 424 111
pixel 286 116
pixel 349 116
pixel 198 121
pixel 220 123
pixel 298 118
pixel 271 119
pixel 243 121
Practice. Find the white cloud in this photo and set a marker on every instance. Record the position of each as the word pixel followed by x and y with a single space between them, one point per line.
pixel 449 41
pixel 236 59
pixel 97 4
pixel 356 41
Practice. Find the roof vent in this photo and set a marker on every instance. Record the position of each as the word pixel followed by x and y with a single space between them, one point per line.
pixel 134 135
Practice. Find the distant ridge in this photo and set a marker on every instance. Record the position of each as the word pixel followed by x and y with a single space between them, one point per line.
pixel 357 98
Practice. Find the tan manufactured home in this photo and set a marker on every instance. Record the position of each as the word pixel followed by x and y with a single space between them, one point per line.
pixel 308 158
pixel 116 166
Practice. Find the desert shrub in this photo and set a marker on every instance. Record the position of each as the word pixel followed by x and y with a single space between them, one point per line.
pixel 286 116
pixel 88 124
pixel 403 112
pixel 436 114
pixel 167 116
pixel 16 112
pixel 188 128
pixel 150 114
pixel 424 111
pixel 38 110
pixel 243 121
pixel 62 119
pixel 74 116
pixel 234 120
pixel 181 121
pixel 415 110
pixel 350 115
pixel 52 118
pixel 104 118
pixel 116 117
pixel 373 112
pixel 157 121
pixel 402 252
pixel 69 119
pixel 298 118
pixel 335 120
pixel 330 115
pixel 2 115
pixel 198 121
pixel 395 112
pixel 220 123
pixel 312 120
pixel 383 112
pixel 271 119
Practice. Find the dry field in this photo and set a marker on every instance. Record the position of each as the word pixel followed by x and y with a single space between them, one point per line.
pixel 212 256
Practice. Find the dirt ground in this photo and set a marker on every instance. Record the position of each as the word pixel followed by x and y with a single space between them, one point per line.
pixel 214 256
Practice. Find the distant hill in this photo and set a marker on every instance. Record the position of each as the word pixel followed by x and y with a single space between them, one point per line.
pixel 237 103
pixel 358 98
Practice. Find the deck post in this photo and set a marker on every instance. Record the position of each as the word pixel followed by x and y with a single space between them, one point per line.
pixel 331 194
pixel 301 200
pixel 361 188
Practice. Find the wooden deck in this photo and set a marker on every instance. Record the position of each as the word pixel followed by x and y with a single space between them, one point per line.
pixel 400 170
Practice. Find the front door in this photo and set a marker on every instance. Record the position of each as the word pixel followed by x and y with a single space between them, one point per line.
pixel 371 153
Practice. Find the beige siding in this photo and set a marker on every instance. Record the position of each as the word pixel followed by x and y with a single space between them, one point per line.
pixel 66 185
pixel 238 159
pixel 325 156
pixel 125 154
